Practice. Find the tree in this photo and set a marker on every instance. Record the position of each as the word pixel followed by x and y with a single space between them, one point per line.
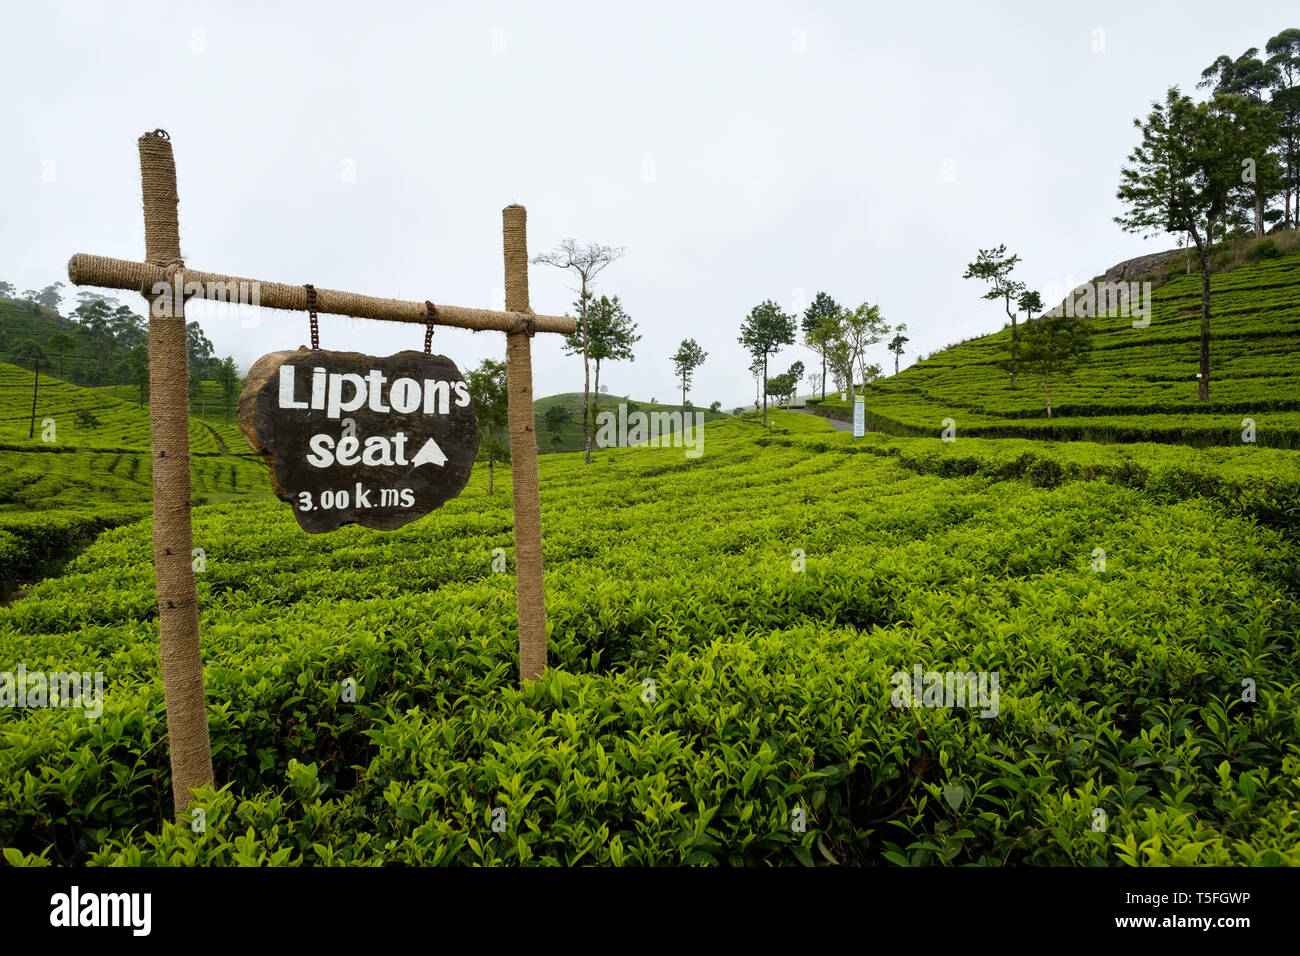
pixel 782 387
pixel 1180 178
pixel 860 329
pixel 62 343
pixel 1030 302
pixel 715 406
pixel 688 357
pixel 200 350
pixel 7 291
pixel 196 391
pixel 50 296
pixel 226 373
pixel 587 261
pixel 487 386
pixel 820 320
pixel 611 333
pixel 896 346
pixel 1284 60
pixel 29 352
pixel 839 359
pixel 994 267
pixel 1247 77
pixel 1055 344
pixel 763 334
pixel 557 419
pixel 138 361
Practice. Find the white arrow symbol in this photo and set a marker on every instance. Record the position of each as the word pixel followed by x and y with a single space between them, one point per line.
pixel 429 453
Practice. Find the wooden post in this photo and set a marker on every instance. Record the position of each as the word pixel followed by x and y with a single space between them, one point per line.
pixel 530 590
pixel 178 613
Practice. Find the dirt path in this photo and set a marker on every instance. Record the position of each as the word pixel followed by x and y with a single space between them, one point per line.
pixel 838 425
pixel 221 446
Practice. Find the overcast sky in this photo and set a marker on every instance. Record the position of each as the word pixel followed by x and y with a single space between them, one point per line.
pixel 739 152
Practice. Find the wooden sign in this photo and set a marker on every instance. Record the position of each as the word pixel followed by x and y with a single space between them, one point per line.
pixel 358 439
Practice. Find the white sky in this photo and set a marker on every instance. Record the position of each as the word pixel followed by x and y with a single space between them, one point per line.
pixel 732 166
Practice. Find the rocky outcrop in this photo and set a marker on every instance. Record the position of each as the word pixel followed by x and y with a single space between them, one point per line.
pixel 1131 270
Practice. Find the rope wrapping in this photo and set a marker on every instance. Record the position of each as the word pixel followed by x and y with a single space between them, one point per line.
pixel 178 619
pixel 530 591
pixel 109 273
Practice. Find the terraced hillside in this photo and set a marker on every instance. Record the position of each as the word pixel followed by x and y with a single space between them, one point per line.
pixel 570 436
pixel 770 591
pixel 1140 384
pixel 87 468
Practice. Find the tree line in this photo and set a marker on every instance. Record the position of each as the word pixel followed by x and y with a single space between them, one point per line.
pixel 106 343
pixel 841 337
pixel 1215 170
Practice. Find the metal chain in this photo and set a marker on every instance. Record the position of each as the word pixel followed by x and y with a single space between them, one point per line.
pixel 311 315
pixel 431 311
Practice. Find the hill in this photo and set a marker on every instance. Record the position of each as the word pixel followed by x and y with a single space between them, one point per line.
pixel 705 687
pixel 570 437
pixel 1140 384
pixel 87 468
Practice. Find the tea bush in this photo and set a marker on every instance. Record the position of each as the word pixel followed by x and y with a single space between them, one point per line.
pixel 724 633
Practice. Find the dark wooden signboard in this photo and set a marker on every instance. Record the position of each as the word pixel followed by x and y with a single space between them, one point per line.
pixel 360 439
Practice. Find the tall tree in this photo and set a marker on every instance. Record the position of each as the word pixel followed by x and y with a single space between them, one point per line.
pixel 688 357
pixel 896 346
pixel 50 296
pixel 62 343
pixel 1055 344
pixel 200 349
pixel 29 352
pixel 138 360
pixel 1180 178
pixel 487 386
pixel 1284 59
pixel 1248 77
pixel 994 266
pixel 226 373
pixel 586 261
pixel 860 329
pixel 820 320
pixel 763 333
pixel 611 333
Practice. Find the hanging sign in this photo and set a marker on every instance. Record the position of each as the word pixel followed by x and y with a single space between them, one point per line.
pixel 359 439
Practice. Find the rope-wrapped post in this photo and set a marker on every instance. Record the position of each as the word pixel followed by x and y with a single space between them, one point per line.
pixel 178 613
pixel 530 590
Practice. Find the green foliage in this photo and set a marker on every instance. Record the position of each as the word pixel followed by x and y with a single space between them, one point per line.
pixel 1266 248
pixel 1139 383
pixel 688 357
pixel 1119 690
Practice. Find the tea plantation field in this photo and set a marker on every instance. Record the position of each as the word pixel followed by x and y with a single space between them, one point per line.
pixel 1140 384
pixel 87 468
pixel 724 633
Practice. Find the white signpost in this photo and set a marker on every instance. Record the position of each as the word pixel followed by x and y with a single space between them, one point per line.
pixel 859 418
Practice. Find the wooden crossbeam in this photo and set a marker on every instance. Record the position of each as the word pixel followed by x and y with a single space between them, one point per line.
pixel 149 278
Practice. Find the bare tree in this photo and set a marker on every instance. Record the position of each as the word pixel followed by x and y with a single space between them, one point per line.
pixel 587 261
